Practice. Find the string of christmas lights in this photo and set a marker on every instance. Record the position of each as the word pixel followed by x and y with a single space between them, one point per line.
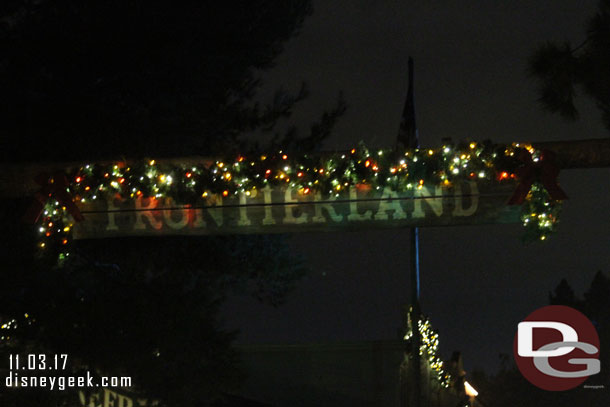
pixel 330 174
pixel 429 349
pixel 8 329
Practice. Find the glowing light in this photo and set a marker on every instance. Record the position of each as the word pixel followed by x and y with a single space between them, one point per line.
pixel 469 390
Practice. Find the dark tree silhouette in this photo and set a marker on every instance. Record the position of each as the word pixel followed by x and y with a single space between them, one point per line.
pixel 561 69
pixel 597 297
pixel 110 79
pixel 563 295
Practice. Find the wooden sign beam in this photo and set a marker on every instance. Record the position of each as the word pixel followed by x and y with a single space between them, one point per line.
pixel 571 154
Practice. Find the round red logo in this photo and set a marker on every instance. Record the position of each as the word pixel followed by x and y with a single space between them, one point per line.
pixel 556 348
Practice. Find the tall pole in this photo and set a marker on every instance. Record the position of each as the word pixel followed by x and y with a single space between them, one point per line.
pixel 408 137
pixel 415 314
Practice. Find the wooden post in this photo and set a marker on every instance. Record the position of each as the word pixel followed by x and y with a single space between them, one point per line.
pixel 415 315
pixel 408 137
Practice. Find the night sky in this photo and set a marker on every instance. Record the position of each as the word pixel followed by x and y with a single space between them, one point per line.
pixel 477 282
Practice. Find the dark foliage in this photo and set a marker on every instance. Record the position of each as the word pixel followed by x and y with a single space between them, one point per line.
pixel 561 69
pixel 110 79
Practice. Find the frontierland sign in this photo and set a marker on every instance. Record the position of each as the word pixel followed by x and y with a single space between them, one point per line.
pixel 468 183
pixel 284 209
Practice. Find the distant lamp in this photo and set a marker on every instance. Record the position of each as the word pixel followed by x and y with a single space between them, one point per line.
pixel 470 391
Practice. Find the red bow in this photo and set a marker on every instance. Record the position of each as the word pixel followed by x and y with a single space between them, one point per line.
pixel 544 170
pixel 55 185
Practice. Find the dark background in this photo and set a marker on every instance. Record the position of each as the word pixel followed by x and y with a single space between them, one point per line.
pixel 470 82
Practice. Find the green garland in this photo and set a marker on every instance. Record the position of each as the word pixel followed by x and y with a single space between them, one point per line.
pixel 328 174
